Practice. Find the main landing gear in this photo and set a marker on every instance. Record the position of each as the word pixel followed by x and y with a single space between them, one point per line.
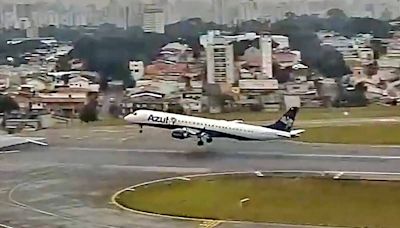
pixel 201 142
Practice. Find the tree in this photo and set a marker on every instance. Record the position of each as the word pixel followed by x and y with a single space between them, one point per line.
pixel 331 62
pixel 7 104
pixel 176 108
pixel 63 64
pixel 336 13
pixel 290 15
pixel 89 112
pixel 114 110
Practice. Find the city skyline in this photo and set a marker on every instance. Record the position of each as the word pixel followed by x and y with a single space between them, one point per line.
pixel 25 14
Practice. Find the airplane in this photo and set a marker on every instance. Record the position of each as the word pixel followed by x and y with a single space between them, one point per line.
pixel 205 129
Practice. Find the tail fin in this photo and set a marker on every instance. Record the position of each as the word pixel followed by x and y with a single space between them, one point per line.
pixel 286 122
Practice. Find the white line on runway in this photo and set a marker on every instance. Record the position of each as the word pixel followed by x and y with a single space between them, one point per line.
pixel 122 150
pixel 255 153
pixel 5 226
pixel 260 153
pixel 9 152
pixel 167 169
pixel 170 169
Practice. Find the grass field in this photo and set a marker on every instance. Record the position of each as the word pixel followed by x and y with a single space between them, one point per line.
pixel 304 114
pixel 378 133
pixel 313 113
pixel 277 200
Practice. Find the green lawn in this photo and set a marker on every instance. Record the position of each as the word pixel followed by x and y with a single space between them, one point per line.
pixel 383 133
pixel 277 200
pixel 313 113
pixel 304 114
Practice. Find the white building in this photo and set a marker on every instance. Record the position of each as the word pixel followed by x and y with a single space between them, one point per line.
pixel 342 44
pixel 23 23
pixel 79 82
pixel 153 19
pixel 219 11
pixel 137 69
pixel 115 13
pixel 266 55
pixel 4 82
pixel 53 18
pixel 248 10
pixel 220 62
pixel 283 41
pixel 32 32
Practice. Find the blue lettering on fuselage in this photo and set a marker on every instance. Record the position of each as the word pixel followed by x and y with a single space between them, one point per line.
pixel 163 120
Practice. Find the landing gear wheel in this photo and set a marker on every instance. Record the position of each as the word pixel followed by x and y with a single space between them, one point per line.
pixel 141 129
pixel 209 140
pixel 200 143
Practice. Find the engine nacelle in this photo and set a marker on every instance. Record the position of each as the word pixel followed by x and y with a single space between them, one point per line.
pixel 180 134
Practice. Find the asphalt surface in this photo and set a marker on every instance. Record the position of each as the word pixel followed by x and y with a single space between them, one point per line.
pixel 70 183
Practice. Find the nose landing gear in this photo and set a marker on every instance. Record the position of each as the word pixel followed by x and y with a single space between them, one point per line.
pixel 141 129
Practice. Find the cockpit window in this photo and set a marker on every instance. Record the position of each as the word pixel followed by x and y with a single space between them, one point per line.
pixel 135 113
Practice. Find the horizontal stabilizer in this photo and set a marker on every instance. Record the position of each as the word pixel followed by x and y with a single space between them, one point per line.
pixel 296 133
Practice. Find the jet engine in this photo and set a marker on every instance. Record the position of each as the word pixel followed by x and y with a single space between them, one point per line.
pixel 180 134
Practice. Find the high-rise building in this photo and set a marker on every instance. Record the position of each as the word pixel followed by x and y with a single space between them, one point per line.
pixel 266 54
pixel 219 11
pixel 92 14
pixel 115 13
pixel 248 10
pixel 23 10
pixel 53 18
pixel 153 19
pixel 220 62
pixel 135 16
pixel 22 15
pixel 32 32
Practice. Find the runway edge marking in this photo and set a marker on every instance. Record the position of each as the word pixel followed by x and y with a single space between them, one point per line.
pixel 201 221
pixel 5 226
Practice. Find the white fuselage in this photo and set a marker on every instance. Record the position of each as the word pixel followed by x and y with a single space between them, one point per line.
pixel 216 128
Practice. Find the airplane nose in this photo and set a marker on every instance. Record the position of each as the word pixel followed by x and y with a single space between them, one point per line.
pixel 128 118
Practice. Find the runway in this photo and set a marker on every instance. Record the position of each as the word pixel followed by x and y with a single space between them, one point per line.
pixel 69 184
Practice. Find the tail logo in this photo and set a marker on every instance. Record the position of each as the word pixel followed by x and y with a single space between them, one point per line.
pixel 288 122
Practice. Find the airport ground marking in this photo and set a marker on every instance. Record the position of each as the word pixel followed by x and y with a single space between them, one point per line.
pixel 28 207
pixel 320 173
pixel 210 224
pixel 255 153
pixel 10 152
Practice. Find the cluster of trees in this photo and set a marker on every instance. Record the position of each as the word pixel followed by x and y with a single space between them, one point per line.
pixel 7 104
pixel 328 61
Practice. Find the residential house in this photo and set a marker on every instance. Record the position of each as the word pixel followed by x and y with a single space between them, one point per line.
pixel 342 44
pixel 176 52
pixel 305 90
pixel 4 82
pixel 258 92
pixel 149 98
pixel 40 83
pixel 79 82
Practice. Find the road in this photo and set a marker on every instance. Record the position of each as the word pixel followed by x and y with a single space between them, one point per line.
pixel 69 184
